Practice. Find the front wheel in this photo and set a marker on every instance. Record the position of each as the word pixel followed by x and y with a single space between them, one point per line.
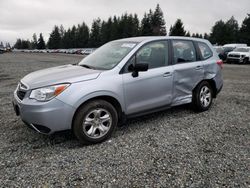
pixel 202 97
pixel 245 61
pixel 94 122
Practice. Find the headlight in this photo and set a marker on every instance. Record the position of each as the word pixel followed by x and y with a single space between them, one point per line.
pixel 47 93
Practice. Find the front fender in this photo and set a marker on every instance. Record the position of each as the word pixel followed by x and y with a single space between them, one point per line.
pixel 99 94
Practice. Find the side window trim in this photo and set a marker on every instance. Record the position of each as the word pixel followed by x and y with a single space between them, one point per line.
pixel 198 52
pixel 123 71
pixel 172 51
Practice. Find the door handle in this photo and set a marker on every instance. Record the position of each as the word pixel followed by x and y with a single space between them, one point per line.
pixel 198 67
pixel 166 74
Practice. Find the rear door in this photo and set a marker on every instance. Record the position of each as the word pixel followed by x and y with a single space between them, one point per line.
pixel 188 70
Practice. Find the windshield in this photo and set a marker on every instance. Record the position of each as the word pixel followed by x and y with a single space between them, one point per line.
pixel 228 49
pixel 241 50
pixel 108 56
pixel 218 50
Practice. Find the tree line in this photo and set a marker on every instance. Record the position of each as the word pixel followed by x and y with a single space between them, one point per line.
pixel 129 25
pixel 7 45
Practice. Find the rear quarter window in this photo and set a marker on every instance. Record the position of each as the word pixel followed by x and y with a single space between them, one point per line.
pixel 205 51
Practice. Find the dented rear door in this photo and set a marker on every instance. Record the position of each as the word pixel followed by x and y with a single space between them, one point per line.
pixel 187 71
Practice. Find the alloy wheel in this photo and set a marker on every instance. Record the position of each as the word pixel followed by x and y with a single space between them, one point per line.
pixel 205 96
pixel 97 123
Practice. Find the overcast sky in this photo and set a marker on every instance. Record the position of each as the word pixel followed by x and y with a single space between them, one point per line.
pixel 22 18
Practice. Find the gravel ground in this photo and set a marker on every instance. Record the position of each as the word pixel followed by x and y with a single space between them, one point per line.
pixel 174 148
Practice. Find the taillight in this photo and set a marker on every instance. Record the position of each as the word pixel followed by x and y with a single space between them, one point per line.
pixel 220 63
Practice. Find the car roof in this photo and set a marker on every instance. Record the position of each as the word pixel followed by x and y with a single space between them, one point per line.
pixel 152 38
pixel 235 45
pixel 243 47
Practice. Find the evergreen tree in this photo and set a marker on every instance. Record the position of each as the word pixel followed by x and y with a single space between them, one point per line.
pixel 199 35
pixel 41 43
pixel 127 26
pixel 245 31
pixel 61 31
pixel 17 45
pixel 232 30
pixel 136 25
pixel 34 42
pixel 95 39
pixel 188 34
pixel 73 34
pixel 22 44
pixel 114 29
pixel 25 44
pixel 225 32
pixel 106 29
pixel 82 36
pixel 177 29
pixel 55 39
pixel 66 40
pixel 218 32
pixel 158 22
pixel 146 25
pixel 206 36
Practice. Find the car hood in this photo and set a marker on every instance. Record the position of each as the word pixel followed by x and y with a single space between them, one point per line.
pixel 60 74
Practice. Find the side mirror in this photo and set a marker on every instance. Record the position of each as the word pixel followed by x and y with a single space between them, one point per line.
pixel 141 67
pixel 138 67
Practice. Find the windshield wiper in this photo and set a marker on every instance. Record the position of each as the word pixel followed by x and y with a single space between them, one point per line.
pixel 87 66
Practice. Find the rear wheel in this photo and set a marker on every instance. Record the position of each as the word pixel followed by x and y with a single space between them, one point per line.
pixel 202 96
pixel 94 122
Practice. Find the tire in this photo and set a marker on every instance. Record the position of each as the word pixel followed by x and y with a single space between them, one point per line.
pixel 245 61
pixel 94 122
pixel 202 97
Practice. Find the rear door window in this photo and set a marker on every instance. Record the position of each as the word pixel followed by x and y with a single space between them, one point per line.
pixel 183 51
pixel 204 50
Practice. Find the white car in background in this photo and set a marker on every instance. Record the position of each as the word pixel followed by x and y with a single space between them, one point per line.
pixel 239 55
pixel 87 51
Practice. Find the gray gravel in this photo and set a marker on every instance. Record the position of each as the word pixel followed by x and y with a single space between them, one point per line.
pixel 174 148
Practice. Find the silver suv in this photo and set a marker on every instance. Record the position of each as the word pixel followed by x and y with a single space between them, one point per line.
pixel 120 80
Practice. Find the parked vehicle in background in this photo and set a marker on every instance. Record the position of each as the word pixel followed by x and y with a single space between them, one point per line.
pixel 79 51
pixel 122 79
pixel 219 50
pixel 228 48
pixel 239 55
pixel 4 49
pixel 87 51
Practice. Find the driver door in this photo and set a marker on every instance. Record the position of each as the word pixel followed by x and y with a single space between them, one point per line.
pixel 153 88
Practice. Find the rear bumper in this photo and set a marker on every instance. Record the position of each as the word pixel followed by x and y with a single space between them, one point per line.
pixel 219 90
pixel 44 117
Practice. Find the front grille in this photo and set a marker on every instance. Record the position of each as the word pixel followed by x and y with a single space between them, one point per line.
pixel 21 90
pixel 234 55
pixel 20 94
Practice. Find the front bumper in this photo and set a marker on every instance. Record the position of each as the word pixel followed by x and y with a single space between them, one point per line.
pixel 44 117
pixel 234 60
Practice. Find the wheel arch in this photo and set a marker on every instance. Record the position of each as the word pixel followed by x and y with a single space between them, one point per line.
pixel 111 99
pixel 211 83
